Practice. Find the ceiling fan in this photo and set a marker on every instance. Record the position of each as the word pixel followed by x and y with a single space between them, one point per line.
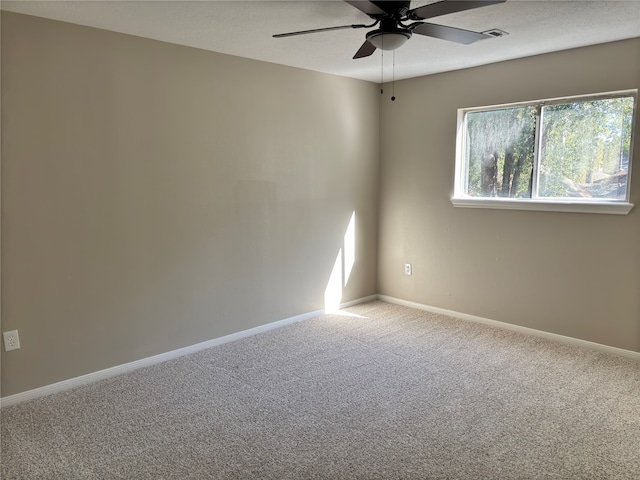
pixel 394 29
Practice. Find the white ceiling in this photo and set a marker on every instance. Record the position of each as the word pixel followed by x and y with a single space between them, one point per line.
pixel 244 28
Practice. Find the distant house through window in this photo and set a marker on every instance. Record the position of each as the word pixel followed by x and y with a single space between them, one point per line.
pixel 555 153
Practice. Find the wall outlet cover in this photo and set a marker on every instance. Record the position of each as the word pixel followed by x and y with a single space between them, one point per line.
pixel 11 340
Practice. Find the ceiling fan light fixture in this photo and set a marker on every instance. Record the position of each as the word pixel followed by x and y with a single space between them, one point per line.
pixel 388 40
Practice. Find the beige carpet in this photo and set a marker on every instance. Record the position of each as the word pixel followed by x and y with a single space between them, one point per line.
pixel 392 393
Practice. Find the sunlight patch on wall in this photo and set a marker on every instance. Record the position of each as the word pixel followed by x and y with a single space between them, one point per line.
pixel 349 248
pixel 333 292
pixel 342 269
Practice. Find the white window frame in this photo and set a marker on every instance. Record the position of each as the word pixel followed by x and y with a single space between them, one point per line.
pixel 460 199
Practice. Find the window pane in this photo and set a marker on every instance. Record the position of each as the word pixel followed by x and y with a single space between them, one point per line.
pixel 584 150
pixel 499 152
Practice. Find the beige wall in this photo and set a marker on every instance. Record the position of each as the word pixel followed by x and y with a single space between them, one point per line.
pixel 155 196
pixel 571 274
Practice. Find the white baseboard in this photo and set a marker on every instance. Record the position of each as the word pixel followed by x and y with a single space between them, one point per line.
pixel 358 301
pixel 163 357
pixel 516 328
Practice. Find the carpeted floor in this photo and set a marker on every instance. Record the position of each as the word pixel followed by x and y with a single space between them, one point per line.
pixel 386 392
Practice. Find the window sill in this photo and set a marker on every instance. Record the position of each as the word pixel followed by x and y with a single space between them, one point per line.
pixel 612 208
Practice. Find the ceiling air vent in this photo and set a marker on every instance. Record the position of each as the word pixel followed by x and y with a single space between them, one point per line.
pixel 494 32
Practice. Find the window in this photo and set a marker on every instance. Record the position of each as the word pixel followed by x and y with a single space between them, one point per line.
pixel 569 154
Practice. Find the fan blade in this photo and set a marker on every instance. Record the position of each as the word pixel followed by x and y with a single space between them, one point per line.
pixel 452 34
pixel 366 7
pixel 365 50
pixel 444 7
pixel 316 30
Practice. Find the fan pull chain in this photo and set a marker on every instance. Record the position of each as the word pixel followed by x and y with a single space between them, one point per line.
pixel 382 69
pixel 393 78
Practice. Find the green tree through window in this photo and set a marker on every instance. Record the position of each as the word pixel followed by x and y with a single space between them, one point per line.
pixel 585 149
pixel 573 149
pixel 500 149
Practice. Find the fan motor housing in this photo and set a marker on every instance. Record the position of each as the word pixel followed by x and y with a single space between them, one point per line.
pixel 394 8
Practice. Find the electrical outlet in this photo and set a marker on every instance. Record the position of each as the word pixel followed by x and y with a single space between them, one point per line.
pixel 11 340
pixel 407 269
